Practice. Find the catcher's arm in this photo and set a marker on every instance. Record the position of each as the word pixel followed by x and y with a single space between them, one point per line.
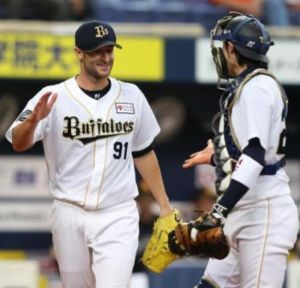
pixel 205 235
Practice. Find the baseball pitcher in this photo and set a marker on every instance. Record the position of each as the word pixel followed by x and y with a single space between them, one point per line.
pixel 95 130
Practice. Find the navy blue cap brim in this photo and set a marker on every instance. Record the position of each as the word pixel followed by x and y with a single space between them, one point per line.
pixel 103 44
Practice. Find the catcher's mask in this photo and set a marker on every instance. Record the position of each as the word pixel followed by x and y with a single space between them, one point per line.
pixel 248 35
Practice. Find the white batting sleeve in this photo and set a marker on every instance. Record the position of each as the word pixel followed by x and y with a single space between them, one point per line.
pixel 246 171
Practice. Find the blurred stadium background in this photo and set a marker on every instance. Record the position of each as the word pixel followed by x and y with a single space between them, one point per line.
pixel 166 52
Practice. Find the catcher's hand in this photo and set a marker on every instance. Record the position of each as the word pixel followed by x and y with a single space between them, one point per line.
pixel 157 255
pixel 204 236
pixel 201 157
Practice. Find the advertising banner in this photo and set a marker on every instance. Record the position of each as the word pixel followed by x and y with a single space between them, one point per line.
pixel 23 177
pixel 284 61
pixel 48 56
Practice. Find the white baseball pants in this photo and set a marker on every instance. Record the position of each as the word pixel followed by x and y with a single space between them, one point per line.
pixel 260 238
pixel 95 249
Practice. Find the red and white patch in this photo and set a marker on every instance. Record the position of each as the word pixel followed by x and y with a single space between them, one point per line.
pixel 125 108
pixel 238 164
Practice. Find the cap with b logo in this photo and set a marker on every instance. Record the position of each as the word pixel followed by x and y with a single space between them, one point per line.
pixel 95 34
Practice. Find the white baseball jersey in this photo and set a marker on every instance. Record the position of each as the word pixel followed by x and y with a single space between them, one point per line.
pixel 88 142
pixel 258 114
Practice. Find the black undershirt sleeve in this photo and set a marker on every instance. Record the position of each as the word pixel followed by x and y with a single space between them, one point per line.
pixel 237 190
pixel 255 151
pixel 136 154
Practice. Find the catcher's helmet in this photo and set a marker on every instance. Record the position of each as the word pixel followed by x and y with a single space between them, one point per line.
pixel 248 34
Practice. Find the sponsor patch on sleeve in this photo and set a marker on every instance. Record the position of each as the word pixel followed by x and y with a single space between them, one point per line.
pixel 24 115
pixel 124 108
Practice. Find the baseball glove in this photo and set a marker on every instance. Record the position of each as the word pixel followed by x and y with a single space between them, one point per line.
pixel 157 255
pixel 204 236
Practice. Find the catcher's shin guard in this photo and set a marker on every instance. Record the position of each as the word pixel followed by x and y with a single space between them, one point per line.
pixel 204 284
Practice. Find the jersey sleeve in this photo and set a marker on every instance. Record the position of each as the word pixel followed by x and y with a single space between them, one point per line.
pixel 252 114
pixel 41 127
pixel 147 126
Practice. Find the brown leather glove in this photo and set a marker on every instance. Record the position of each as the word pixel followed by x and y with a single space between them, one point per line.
pixel 204 236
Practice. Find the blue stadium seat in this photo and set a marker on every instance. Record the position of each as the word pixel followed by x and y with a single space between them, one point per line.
pixel 157 11
pixel 294 17
pixel 190 11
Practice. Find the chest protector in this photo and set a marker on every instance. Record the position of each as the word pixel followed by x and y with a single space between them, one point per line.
pixel 227 149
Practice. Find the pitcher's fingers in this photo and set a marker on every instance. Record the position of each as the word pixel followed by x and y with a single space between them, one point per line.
pixel 52 99
pixel 45 96
pixel 43 100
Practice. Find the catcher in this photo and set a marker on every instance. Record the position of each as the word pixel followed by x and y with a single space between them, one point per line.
pixel 248 152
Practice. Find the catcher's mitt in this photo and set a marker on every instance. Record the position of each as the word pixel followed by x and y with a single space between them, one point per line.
pixel 157 255
pixel 204 236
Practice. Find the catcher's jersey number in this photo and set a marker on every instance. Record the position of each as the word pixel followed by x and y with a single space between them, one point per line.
pixel 120 150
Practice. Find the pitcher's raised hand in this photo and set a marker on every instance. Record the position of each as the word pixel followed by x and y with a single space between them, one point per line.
pixel 43 106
